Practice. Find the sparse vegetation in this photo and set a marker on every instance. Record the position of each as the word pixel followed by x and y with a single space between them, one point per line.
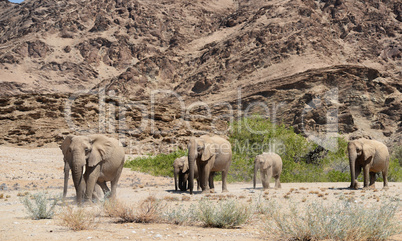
pixel 180 215
pixel 116 209
pixel 42 207
pixel 148 211
pixel 225 214
pixel 77 218
pixel 342 220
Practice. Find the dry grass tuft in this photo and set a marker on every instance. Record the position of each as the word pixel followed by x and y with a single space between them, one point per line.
pixel 77 218
pixel 148 211
pixel 185 198
pixel 171 198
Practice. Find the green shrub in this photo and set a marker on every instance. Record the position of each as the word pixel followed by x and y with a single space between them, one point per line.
pixel 254 135
pixel 335 221
pixel 397 154
pixel 159 165
pixel 41 208
pixel 394 171
pixel 225 214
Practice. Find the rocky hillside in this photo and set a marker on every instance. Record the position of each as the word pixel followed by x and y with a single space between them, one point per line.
pixel 299 62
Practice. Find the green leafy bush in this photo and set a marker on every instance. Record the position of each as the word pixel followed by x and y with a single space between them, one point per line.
pixel 41 208
pixel 255 135
pixel 159 165
pixel 394 171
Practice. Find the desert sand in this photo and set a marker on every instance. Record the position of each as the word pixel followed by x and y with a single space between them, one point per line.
pixel 41 169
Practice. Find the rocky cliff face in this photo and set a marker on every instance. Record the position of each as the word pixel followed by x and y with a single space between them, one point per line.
pixel 300 62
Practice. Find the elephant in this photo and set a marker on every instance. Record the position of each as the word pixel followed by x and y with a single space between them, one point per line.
pixel 372 156
pixel 101 157
pixel 270 165
pixel 181 169
pixel 211 153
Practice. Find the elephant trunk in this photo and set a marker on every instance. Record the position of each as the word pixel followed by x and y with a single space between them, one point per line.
pixel 255 174
pixel 192 154
pixel 66 175
pixel 352 163
pixel 78 178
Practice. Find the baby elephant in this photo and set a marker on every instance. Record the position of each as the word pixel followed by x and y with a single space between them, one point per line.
pixel 180 168
pixel 270 165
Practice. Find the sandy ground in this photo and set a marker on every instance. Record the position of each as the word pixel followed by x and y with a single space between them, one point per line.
pixel 35 170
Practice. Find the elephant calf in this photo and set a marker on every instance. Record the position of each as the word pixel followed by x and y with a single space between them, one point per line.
pixel 180 168
pixel 270 165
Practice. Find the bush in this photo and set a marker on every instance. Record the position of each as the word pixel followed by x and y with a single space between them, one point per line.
pixel 336 221
pixel 159 165
pixel 394 171
pixel 116 209
pixel 77 218
pixel 255 135
pixel 224 214
pixel 149 210
pixel 180 215
pixel 397 154
pixel 42 208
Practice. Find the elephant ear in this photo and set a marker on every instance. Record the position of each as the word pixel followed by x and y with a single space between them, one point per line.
pixel 66 143
pixel 208 152
pixel 101 151
pixel 368 151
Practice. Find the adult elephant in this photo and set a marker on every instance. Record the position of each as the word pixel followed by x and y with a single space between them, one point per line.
pixel 181 170
pixel 270 165
pixel 211 154
pixel 371 156
pixel 103 159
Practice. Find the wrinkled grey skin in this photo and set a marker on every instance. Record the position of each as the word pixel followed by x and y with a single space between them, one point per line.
pixel 370 155
pixel 211 154
pixel 270 165
pixel 101 157
pixel 181 170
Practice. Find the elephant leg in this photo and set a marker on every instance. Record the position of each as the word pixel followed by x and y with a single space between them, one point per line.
pixel 105 189
pixel 91 177
pixel 385 177
pixel 97 194
pixel 224 183
pixel 372 180
pixel 211 182
pixel 366 176
pixel 358 170
pixel 204 176
pixel 198 184
pixel 66 174
pixel 277 182
pixel 264 180
pixel 114 182
pixel 182 182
